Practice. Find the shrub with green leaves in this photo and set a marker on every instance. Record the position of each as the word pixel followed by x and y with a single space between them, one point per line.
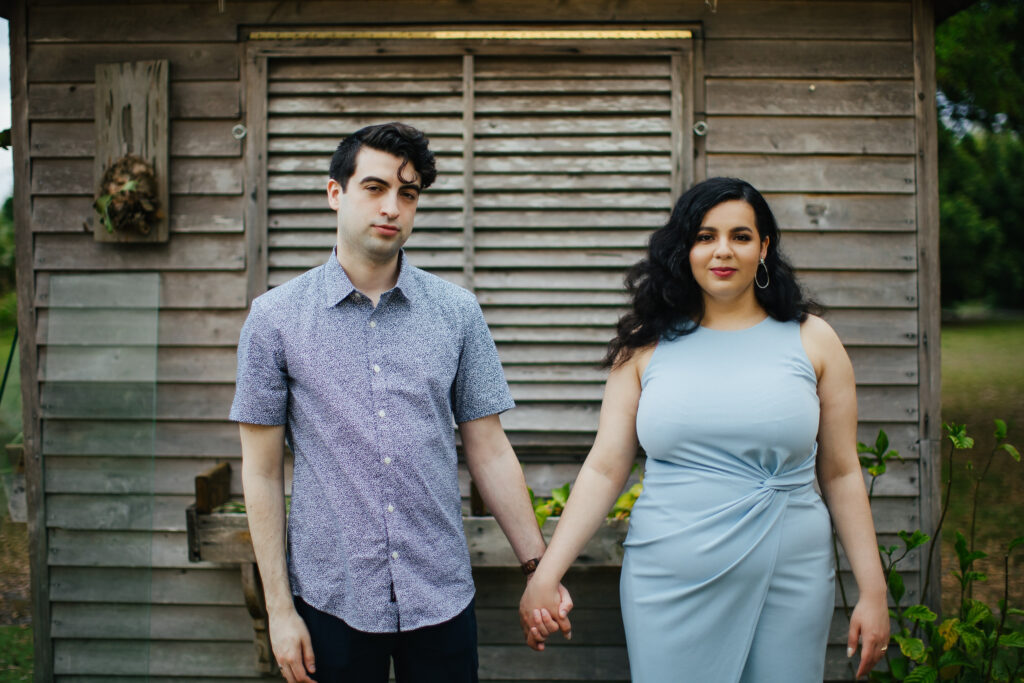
pixel 981 642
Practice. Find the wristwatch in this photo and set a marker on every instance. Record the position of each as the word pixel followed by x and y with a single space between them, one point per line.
pixel 530 566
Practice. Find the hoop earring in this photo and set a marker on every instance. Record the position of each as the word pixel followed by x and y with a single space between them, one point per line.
pixel 767 276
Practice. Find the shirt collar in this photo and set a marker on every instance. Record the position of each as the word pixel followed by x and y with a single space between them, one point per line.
pixel 337 286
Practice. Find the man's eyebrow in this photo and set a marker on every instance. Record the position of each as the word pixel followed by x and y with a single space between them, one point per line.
pixel 381 181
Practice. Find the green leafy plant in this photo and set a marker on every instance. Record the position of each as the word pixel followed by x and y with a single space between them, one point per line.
pixel 549 507
pixel 979 643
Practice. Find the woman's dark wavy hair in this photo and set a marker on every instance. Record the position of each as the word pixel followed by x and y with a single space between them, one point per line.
pixel 666 299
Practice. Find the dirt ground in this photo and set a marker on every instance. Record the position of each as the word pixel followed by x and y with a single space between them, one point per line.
pixel 14 577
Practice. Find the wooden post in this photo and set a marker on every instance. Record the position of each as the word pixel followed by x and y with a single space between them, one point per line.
pixel 132 106
pixel 35 491
pixel 928 310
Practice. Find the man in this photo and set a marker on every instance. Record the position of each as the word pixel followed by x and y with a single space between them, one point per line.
pixel 363 364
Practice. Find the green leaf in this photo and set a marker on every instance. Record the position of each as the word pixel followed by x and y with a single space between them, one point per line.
pixel 1012 450
pixel 877 470
pixel 864 448
pixel 957 434
pixel 974 639
pixel 882 442
pixel 919 613
pixel 1015 639
pixel 561 494
pixel 914 540
pixel 922 674
pixel 954 658
pixel 1000 432
pixel 896 587
pixel 900 667
pixel 977 611
pixel 912 648
pixel 1015 612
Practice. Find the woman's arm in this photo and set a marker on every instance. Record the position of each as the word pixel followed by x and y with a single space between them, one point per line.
pixel 842 485
pixel 599 482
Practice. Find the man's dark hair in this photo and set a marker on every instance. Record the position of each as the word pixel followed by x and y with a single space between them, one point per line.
pixel 405 142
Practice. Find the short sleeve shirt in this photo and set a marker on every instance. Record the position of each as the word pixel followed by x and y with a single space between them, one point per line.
pixel 370 396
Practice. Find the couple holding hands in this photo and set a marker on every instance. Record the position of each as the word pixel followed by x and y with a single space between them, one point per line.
pixel 739 395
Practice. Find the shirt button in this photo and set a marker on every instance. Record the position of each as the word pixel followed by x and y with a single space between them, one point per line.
pixel 373 323
pixel 394 555
pixel 387 459
pixel 391 508
pixel 376 368
pixel 381 413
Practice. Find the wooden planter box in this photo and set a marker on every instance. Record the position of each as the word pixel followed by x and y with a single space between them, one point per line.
pixel 223 537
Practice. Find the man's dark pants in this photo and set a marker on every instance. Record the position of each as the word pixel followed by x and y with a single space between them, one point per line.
pixel 444 653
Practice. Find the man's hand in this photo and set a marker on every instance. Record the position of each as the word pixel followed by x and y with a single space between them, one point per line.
pixel 293 648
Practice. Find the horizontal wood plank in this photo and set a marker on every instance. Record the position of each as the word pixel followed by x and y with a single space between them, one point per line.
pixel 805 58
pixel 152 657
pixel 161 622
pixel 188 176
pixel 189 100
pixel 810 97
pixel 187 139
pixel 50 63
pixel 120 512
pixel 143 439
pixel 178 289
pixel 807 135
pixel 188 213
pixel 190 586
pixel 851 212
pixel 770 173
pixel 185 252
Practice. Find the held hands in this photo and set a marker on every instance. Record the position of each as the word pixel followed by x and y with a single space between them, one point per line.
pixel 869 624
pixel 293 648
pixel 539 602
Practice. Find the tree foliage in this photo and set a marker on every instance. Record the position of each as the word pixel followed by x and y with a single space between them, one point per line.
pixel 979 64
pixel 980 73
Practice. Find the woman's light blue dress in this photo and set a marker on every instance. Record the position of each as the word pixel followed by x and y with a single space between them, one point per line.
pixel 728 570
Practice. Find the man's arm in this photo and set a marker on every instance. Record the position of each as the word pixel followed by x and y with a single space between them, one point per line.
pixel 499 478
pixel 263 484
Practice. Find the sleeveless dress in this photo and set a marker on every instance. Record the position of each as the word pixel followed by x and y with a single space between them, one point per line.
pixel 728 574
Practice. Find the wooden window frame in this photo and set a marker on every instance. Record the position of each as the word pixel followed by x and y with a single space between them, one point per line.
pixel 681 43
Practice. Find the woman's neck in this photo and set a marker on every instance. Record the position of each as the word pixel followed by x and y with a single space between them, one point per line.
pixel 737 314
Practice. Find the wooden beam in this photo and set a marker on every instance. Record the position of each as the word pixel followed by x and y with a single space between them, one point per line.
pixel 255 106
pixel 31 424
pixel 929 303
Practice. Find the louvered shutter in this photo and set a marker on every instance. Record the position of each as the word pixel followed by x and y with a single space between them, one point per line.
pixel 571 162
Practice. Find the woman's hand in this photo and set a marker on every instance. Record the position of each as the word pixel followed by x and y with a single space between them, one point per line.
pixel 869 624
pixel 540 601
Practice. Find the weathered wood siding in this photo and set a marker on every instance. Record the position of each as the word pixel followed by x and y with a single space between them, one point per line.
pixel 813 102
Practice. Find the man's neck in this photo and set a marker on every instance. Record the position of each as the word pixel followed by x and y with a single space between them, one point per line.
pixel 370 278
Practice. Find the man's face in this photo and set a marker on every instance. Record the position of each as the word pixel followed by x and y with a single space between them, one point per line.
pixel 375 213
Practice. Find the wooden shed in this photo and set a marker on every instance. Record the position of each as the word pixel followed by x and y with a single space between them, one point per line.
pixel 565 129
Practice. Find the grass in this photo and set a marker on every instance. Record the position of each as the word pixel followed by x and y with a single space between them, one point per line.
pixel 983 379
pixel 15 654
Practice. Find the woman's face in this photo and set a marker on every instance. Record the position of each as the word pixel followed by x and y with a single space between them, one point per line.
pixel 726 251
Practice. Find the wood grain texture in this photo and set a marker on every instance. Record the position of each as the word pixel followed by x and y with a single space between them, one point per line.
pixel 35 489
pixel 810 97
pixel 132 118
pixel 929 310
pixel 810 135
pixel 54 63
pixel 808 58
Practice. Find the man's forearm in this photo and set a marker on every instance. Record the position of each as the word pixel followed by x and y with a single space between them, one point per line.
pixel 263 484
pixel 503 489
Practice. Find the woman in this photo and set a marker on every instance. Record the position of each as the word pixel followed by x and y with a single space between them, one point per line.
pixel 738 396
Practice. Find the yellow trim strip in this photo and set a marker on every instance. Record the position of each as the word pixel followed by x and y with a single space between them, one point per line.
pixel 472 35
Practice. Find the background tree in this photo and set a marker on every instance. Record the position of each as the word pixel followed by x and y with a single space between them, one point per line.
pixel 979 56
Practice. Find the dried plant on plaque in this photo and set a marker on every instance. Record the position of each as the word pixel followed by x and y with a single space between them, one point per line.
pixel 127 201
